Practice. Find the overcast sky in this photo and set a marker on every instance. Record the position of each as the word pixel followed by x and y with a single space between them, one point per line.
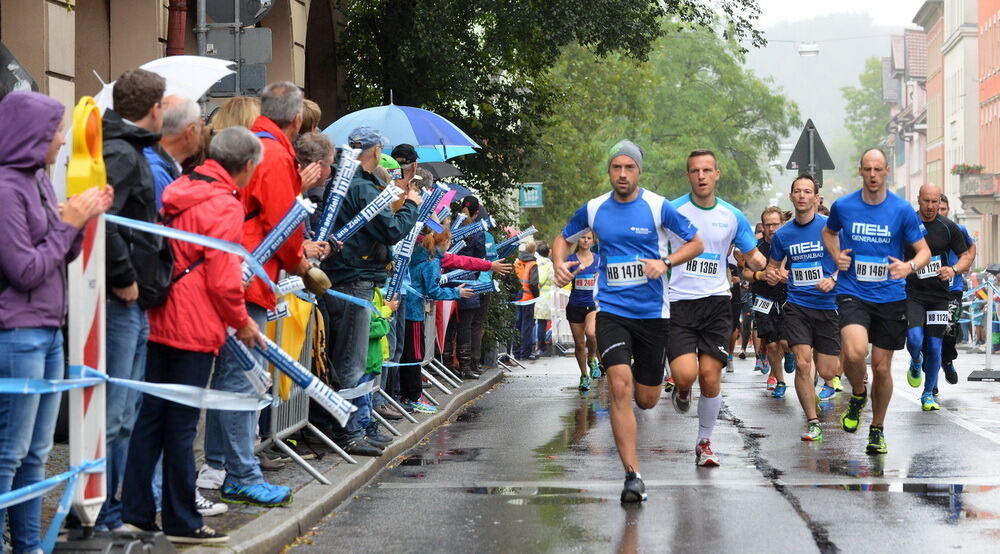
pixel 890 13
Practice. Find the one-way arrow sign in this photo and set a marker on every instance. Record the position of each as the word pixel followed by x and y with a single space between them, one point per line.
pixel 810 155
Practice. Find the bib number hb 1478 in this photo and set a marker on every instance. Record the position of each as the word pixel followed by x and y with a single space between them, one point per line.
pixel 624 271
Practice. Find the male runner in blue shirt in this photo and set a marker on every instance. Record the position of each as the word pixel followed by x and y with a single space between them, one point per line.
pixel 871 286
pixel 632 294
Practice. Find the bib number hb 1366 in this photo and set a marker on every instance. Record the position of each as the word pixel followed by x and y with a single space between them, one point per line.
pixel 705 266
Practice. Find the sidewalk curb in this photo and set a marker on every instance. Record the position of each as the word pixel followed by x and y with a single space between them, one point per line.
pixel 281 526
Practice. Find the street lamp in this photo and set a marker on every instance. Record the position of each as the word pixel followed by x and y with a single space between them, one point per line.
pixel 807 49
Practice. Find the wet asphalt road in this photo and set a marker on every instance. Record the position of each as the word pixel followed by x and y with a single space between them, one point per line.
pixel 531 467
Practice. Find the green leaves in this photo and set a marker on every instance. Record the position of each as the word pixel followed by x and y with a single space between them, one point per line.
pixel 867 114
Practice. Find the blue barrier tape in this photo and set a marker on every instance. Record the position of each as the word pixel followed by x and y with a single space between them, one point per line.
pixel 35 490
pixel 52 535
pixel 397 364
pixel 352 299
pixel 195 397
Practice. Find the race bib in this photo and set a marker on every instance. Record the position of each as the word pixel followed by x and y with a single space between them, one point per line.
pixel 938 318
pixel 706 266
pixel 807 274
pixel 931 269
pixel 585 282
pixel 624 271
pixel 870 269
pixel 762 305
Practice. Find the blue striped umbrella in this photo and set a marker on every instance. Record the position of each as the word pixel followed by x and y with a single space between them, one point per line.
pixel 435 138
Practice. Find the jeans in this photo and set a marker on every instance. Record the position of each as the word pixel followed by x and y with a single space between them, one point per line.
pixel 127 333
pixel 542 331
pixel 230 435
pixel 526 327
pixel 349 325
pixel 364 403
pixel 27 423
pixel 167 428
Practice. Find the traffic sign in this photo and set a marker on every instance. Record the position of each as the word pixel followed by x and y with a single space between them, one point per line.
pixel 531 195
pixel 810 155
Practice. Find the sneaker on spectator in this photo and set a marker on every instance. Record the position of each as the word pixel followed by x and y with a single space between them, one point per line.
pixel 261 494
pixel 203 535
pixel 419 408
pixel 206 507
pixel 210 478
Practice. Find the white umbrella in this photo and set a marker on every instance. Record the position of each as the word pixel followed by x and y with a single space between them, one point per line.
pixel 189 76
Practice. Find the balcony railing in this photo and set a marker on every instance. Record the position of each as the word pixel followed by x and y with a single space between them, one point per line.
pixel 977 184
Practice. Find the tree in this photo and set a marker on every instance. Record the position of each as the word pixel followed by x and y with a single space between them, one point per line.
pixel 692 93
pixel 867 114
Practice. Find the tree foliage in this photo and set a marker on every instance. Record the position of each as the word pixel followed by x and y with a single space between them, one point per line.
pixel 691 93
pixel 867 114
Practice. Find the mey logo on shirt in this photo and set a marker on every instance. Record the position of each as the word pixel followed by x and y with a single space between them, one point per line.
pixel 805 248
pixel 870 232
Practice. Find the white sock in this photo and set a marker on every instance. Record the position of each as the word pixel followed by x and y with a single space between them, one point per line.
pixel 708 412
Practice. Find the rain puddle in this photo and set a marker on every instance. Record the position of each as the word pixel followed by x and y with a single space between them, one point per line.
pixel 440 457
pixel 535 496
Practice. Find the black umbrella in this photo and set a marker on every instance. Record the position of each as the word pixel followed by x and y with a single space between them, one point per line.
pixel 442 170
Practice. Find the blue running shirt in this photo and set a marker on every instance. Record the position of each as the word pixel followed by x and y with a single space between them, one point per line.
pixel 808 262
pixel 958 283
pixel 629 231
pixel 718 227
pixel 873 233
pixel 585 283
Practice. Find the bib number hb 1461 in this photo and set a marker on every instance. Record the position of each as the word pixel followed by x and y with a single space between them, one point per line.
pixel 871 269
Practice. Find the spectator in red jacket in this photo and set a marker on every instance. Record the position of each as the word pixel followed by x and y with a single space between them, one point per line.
pixel 187 331
pixel 230 463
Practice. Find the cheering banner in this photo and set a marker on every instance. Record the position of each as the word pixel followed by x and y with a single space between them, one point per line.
pixel 456 247
pixel 298 213
pixel 404 249
pixel 509 246
pixel 388 195
pixel 349 165
pixel 468 230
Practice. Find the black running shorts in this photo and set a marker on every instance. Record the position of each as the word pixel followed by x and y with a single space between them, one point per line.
pixel 770 326
pixel 817 328
pixel 885 322
pixel 700 326
pixel 933 315
pixel 639 343
pixel 578 314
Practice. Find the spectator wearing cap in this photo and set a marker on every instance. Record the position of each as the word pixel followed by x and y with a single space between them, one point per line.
pixel 356 269
pixel 271 192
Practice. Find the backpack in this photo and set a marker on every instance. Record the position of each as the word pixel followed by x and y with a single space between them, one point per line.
pixel 155 278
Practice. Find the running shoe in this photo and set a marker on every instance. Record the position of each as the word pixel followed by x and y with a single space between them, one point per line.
pixel 928 403
pixel 261 494
pixel 729 365
pixel 595 370
pixel 779 390
pixel 789 362
pixel 767 366
pixel 915 375
pixel 584 383
pixel 813 432
pixel 668 385
pixel 703 455
pixel 827 392
pixel 850 419
pixel 836 384
pixel 950 374
pixel 681 400
pixel 876 441
pixel 743 354
pixel 759 366
pixel 771 382
pixel 206 507
pixel 419 408
pixel 635 489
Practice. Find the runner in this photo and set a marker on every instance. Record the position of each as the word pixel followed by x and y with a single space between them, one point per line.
pixel 927 297
pixel 632 297
pixel 948 350
pixel 699 291
pixel 871 292
pixel 810 315
pixel 581 310
pixel 769 292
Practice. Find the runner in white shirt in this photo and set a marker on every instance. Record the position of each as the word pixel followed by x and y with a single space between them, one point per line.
pixel 699 298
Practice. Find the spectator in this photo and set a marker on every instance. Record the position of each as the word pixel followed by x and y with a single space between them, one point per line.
pixel 526 267
pixel 475 246
pixel 271 192
pixel 187 331
pixel 239 110
pixel 180 138
pixel 38 238
pixel 356 270
pixel 131 257
pixel 311 114
pixel 315 148
pixel 543 308
pixel 425 274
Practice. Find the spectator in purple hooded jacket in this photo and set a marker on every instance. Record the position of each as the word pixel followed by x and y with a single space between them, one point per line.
pixel 38 237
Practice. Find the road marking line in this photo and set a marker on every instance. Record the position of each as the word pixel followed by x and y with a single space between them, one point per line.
pixel 954 417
